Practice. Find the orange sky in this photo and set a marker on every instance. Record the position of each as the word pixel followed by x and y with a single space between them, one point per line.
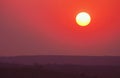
pixel 35 27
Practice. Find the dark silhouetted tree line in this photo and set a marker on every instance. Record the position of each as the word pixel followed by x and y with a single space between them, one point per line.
pixel 36 71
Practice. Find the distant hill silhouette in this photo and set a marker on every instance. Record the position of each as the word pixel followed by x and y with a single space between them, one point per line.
pixel 38 71
pixel 52 59
pixel 59 67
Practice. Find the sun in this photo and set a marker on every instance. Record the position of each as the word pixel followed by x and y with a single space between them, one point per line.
pixel 83 19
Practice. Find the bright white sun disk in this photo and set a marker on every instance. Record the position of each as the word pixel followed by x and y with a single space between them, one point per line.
pixel 83 19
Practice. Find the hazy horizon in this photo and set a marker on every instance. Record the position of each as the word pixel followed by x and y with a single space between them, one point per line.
pixel 61 60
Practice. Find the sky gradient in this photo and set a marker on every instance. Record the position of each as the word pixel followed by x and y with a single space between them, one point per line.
pixel 48 27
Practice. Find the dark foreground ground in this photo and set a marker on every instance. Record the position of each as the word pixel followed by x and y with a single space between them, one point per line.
pixel 58 71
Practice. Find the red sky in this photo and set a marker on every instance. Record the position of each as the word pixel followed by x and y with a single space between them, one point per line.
pixel 47 27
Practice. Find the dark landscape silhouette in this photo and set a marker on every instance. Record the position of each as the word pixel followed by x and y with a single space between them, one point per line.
pixel 47 67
